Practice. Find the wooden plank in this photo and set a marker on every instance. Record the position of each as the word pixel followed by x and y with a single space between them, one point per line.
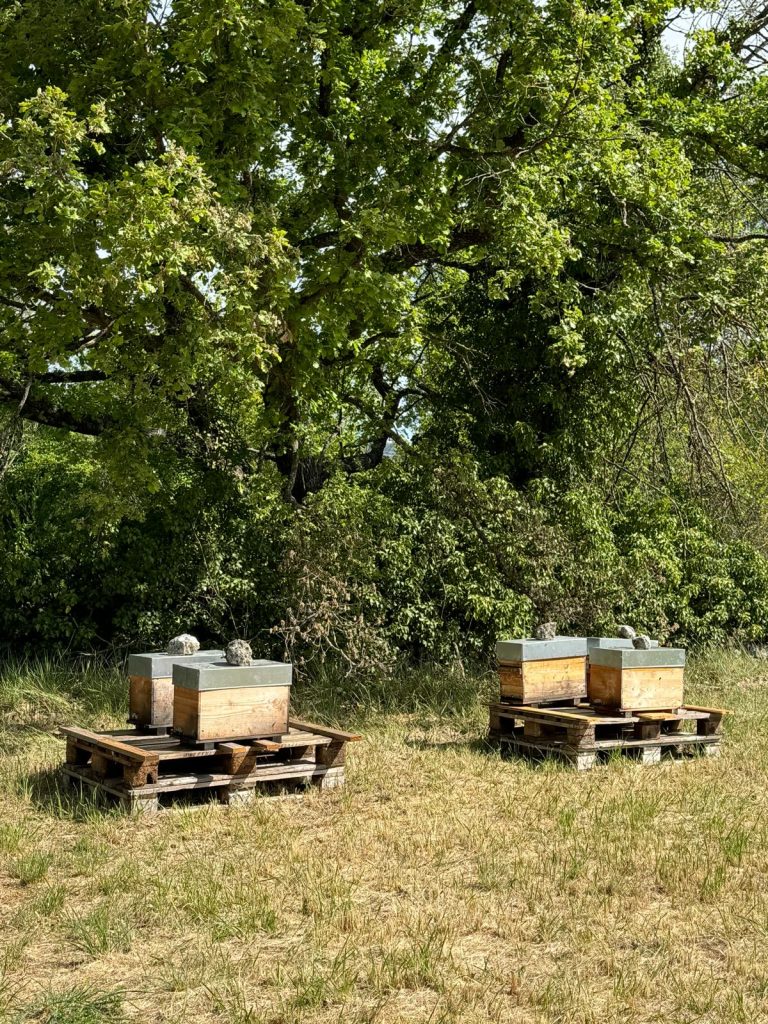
pixel 304 739
pixel 709 711
pixel 120 752
pixel 657 716
pixel 144 740
pixel 266 746
pixel 552 715
pixel 323 730
pixel 675 740
pixel 182 753
pixel 206 780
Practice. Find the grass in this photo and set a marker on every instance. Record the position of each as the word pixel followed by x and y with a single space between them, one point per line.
pixel 441 884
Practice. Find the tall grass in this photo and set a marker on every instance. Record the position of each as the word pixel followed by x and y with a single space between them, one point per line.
pixel 47 690
pixel 434 690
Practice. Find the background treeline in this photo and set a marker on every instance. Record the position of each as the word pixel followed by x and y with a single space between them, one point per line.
pixel 372 331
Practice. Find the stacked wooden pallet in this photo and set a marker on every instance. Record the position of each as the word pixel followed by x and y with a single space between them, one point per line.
pixel 142 771
pixel 582 699
pixel 202 723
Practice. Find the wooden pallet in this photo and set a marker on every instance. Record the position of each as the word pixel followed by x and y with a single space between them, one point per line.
pixel 582 736
pixel 140 770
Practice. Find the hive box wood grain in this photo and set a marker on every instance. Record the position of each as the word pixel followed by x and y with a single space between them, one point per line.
pixel 217 702
pixel 633 680
pixel 608 641
pixel 150 700
pixel 542 671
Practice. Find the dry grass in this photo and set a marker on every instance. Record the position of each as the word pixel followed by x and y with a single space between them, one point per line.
pixel 442 884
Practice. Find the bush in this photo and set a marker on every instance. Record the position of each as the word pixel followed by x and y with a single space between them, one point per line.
pixel 419 560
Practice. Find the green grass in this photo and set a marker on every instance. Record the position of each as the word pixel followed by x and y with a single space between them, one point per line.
pixel 78 1005
pixel 443 883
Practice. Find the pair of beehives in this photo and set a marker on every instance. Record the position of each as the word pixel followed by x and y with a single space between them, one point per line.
pixel 608 672
pixel 203 698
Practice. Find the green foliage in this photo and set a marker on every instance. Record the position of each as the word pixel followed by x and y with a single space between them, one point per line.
pixel 247 248
pixel 436 564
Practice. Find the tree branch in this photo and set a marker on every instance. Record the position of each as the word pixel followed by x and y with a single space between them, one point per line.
pixel 71 377
pixel 47 412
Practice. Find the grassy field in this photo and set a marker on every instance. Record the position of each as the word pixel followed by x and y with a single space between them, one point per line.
pixel 442 884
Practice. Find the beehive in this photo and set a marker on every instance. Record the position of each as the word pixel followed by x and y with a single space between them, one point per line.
pixel 632 680
pixel 216 702
pixel 542 671
pixel 150 701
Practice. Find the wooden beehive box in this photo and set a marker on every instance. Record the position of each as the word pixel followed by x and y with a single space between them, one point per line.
pixel 633 680
pixel 542 671
pixel 608 641
pixel 150 700
pixel 218 701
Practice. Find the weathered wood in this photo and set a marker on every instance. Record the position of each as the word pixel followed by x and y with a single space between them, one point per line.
pixel 101 765
pixel 324 730
pixel 636 688
pixel 76 754
pixel 710 727
pixel 237 790
pixel 123 753
pixel 266 746
pixel 234 756
pixel 710 711
pixel 332 756
pixel 231 713
pixel 298 738
pixel 553 731
pixel 645 730
pixel 559 714
pixel 141 770
pixel 584 757
pixel 547 680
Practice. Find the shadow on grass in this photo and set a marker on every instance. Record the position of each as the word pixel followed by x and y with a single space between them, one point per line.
pixel 474 744
pixel 54 793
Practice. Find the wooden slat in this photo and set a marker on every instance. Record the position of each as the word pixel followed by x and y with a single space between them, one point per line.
pixel 181 753
pixel 657 716
pixel 322 730
pixel 267 746
pixel 304 739
pixel 684 739
pixel 709 711
pixel 555 714
pixel 210 780
pixel 117 751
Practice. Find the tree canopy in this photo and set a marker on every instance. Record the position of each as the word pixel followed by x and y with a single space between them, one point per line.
pixel 272 241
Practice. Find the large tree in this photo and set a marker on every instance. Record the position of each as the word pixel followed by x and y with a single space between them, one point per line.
pixel 292 232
